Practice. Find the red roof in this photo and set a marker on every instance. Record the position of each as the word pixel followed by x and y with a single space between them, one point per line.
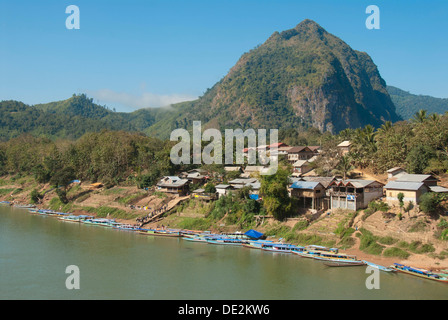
pixel 278 145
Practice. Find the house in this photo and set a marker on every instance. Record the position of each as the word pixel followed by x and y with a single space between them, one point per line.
pixel 412 191
pixel 300 153
pixel 354 194
pixel 242 182
pixel 251 171
pixel 344 147
pixel 391 173
pixel 196 177
pixel 310 195
pixel 173 185
pixel 427 179
pixel 202 195
pixel 223 189
pixel 301 167
pixel 233 169
pixel 325 181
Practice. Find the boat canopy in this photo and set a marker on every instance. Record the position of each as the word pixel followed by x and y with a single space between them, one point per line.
pixel 254 234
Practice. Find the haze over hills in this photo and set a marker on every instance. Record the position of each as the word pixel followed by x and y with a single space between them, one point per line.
pixel 408 104
pixel 298 78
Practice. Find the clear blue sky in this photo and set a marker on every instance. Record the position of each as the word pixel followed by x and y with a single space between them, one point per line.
pixel 137 53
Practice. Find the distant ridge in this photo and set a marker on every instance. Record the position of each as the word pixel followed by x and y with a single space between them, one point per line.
pixel 408 104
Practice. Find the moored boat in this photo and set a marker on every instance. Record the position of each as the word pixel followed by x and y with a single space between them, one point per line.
pixel 276 247
pixel 343 263
pixel 225 241
pixel 127 227
pixel 421 273
pixel 337 257
pixel 160 232
pixel 382 268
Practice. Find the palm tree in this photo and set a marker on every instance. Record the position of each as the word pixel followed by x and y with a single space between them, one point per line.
pixel 420 116
pixel 344 167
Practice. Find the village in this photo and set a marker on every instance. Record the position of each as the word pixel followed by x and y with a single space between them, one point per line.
pixel 315 194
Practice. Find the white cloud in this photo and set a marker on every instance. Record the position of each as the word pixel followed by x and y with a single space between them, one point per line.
pixel 133 101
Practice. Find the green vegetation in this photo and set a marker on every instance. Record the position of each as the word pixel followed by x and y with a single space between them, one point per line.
pixel 396 252
pixel 369 243
pixel 408 104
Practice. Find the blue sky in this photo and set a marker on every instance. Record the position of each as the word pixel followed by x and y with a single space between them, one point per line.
pixel 147 53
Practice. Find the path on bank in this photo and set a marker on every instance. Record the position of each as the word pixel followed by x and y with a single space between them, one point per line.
pixel 171 204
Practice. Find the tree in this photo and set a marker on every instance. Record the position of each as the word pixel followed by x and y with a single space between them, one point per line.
pixel 210 188
pixel 420 116
pixel 400 197
pixel 344 167
pixel 276 200
pixel 429 203
pixel 418 158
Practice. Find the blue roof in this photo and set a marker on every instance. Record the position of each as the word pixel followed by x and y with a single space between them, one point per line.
pixel 304 185
pixel 254 234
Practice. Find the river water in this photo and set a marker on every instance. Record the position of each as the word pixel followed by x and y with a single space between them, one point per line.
pixel 36 250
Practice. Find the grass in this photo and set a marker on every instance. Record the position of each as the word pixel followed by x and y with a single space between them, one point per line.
pixel 131 198
pixel 396 252
pixel 417 247
pixel 369 243
pixel 104 211
pixel 419 226
pixel 195 223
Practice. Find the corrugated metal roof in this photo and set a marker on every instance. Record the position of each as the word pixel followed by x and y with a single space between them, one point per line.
pixel 304 185
pixel 413 177
pixel 404 185
pixel 438 189
pixel 222 186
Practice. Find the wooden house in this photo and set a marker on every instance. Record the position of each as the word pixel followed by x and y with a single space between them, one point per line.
pixel 354 194
pixel 300 153
pixel 173 185
pixel 310 195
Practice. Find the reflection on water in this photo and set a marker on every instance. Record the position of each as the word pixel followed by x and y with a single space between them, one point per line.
pixel 113 264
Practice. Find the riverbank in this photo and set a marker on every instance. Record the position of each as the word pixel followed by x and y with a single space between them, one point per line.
pixel 376 238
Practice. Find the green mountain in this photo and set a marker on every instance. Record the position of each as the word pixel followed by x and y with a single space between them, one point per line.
pixel 297 78
pixel 69 118
pixel 408 104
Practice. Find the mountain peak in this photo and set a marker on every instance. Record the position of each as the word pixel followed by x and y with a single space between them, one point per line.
pixel 300 77
pixel 308 24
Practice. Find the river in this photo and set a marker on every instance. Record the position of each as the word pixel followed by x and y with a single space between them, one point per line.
pixel 36 250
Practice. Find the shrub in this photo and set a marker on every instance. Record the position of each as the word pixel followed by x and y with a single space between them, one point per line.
pixel 396 252
pixel 429 202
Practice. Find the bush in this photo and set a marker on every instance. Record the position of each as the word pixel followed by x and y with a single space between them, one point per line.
pixel 35 196
pixel 396 252
pixel 430 202
pixel 369 244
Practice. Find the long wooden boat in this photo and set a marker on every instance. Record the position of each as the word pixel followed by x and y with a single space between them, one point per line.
pixel 101 222
pixel 24 206
pixel 74 218
pixel 161 233
pixel 307 254
pixel 225 241
pixel 127 227
pixel 382 268
pixel 255 244
pixel 421 273
pixel 276 247
pixel 343 264
pixel 337 257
